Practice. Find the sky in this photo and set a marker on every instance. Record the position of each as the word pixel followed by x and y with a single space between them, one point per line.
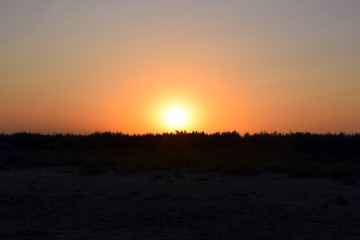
pixel 232 65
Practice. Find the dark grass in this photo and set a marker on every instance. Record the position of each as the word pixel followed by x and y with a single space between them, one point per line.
pixel 296 154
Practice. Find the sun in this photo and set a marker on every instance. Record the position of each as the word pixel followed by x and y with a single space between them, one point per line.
pixel 176 117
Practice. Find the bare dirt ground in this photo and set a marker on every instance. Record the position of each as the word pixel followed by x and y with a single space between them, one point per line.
pixel 59 203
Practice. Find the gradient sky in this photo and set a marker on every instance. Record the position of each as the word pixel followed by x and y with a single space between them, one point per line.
pixel 246 65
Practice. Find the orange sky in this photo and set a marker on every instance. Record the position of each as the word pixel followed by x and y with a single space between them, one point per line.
pixel 249 66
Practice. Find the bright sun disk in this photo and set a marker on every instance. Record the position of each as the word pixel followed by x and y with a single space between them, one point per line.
pixel 176 117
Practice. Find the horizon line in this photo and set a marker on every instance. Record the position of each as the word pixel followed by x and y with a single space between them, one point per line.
pixel 177 132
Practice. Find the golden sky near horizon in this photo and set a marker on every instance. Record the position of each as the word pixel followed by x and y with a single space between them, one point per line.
pixel 250 66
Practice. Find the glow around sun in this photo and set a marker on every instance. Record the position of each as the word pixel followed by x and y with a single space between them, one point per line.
pixel 176 117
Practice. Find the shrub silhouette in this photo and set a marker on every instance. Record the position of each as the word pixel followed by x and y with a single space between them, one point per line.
pixel 298 154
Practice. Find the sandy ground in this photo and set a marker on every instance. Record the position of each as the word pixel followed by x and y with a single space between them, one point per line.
pixel 59 203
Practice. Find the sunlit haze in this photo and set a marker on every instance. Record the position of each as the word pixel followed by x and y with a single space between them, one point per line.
pixel 159 66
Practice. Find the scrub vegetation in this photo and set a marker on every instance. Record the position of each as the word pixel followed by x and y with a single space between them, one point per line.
pixel 296 154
